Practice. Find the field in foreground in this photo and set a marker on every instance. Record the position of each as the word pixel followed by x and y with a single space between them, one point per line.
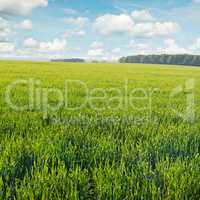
pixel 140 148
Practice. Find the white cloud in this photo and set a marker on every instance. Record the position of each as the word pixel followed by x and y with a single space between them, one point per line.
pixel 26 24
pixel 142 16
pixel 116 50
pixel 139 46
pixel 109 24
pixel 4 28
pixel 50 46
pixel 30 43
pixel 3 23
pixel 21 7
pixel 79 21
pixel 70 33
pixel 70 11
pixel 27 54
pixel 172 48
pixel 155 29
pixel 4 32
pixel 196 45
pixel 96 45
pixel 81 33
pixel 6 47
pixel 96 52
pixel 54 45
pixel 196 1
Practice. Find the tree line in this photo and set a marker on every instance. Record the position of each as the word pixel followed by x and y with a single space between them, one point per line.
pixel 69 60
pixel 180 59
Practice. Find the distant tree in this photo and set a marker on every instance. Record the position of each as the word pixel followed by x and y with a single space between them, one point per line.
pixel 179 59
pixel 169 59
pixel 69 60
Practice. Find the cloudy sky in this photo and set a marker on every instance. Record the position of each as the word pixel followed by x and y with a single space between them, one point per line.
pixel 97 29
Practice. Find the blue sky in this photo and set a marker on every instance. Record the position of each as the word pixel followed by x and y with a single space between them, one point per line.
pixel 97 29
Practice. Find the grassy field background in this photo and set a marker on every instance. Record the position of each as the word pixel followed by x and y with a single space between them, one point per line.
pixel 99 154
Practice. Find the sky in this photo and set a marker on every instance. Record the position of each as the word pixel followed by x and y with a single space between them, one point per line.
pixel 97 29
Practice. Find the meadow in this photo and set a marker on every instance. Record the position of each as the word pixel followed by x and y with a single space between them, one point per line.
pixel 141 140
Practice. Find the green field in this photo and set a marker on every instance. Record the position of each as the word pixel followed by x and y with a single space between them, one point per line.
pixel 130 141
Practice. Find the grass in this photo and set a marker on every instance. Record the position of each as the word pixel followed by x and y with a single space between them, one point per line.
pixel 100 154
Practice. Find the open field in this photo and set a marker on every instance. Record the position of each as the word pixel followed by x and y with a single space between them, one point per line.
pixel 142 144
